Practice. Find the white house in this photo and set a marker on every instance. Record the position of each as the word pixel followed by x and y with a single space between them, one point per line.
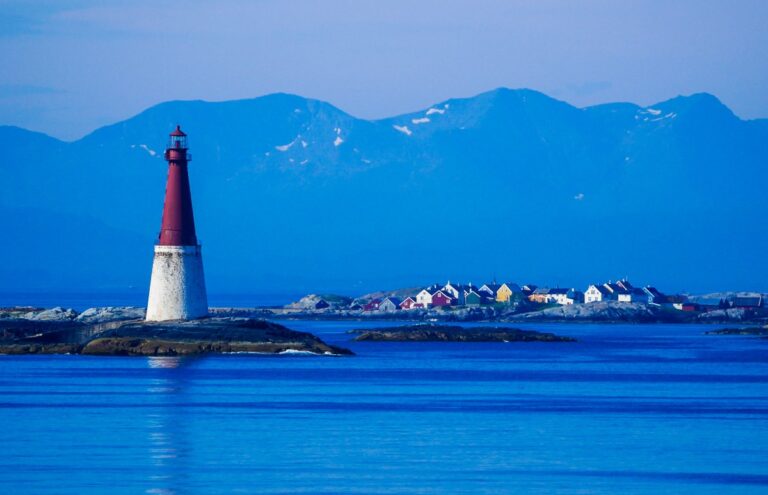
pixel 559 296
pixel 389 304
pixel 425 296
pixel 596 293
pixel 624 296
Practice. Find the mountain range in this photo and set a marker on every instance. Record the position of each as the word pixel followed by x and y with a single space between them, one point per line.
pixel 294 194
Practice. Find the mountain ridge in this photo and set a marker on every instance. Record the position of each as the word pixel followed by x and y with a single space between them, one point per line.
pixel 514 174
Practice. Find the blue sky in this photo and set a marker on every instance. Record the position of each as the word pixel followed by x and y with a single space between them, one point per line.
pixel 72 66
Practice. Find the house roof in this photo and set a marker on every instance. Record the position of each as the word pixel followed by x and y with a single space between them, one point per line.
pixel 493 287
pixel 653 291
pixel 394 300
pixel 616 289
pixel 444 294
pixel 559 290
pixel 603 290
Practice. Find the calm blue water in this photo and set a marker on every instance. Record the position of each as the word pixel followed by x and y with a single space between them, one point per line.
pixel 629 409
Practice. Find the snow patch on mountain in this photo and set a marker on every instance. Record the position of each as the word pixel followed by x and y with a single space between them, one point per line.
pixel 145 148
pixel 422 120
pixel 434 110
pixel 286 147
pixel 338 141
pixel 404 129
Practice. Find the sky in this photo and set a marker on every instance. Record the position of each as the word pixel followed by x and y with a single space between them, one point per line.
pixel 71 66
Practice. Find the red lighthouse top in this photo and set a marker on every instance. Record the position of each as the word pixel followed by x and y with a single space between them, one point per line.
pixel 178 228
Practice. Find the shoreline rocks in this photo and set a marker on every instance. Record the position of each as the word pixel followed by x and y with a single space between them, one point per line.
pixel 761 332
pixel 452 333
pixel 139 338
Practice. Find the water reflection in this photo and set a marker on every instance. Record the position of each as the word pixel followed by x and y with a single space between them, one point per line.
pixel 169 447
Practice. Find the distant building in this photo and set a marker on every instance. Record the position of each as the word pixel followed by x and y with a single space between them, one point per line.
pixel 689 306
pixel 528 289
pixel 624 284
pixel 408 303
pixel 574 297
pixel 475 298
pixel 372 305
pixel 507 291
pixel 559 296
pixel 424 297
pixel 617 292
pixel 540 295
pixel 596 293
pixel 489 290
pixel 654 295
pixel 442 298
pixel 455 290
pixel 389 304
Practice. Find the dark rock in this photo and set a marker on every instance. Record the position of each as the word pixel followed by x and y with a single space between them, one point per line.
pixel 752 331
pixel 138 338
pixel 448 333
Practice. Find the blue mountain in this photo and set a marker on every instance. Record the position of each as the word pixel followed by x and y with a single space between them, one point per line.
pixel 293 194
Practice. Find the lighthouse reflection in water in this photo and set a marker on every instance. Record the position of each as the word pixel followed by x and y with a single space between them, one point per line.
pixel 168 441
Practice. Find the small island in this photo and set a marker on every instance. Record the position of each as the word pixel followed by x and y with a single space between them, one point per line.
pixel 454 333
pixel 120 333
pixel 761 332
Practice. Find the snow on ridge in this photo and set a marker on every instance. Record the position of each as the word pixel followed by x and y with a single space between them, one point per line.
pixel 145 148
pixel 436 110
pixel 404 129
pixel 286 147
pixel 653 111
pixel 422 120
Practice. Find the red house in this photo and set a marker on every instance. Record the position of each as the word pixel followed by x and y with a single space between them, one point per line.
pixel 408 303
pixel 373 305
pixel 441 298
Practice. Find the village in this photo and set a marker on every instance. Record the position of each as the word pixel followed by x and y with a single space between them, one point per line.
pixel 531 298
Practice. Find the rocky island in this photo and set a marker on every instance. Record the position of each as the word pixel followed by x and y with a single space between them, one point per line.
pixel 453 333
pixel 120 333
pixel 761 332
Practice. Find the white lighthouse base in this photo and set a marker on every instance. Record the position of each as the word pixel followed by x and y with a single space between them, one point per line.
pixel 177 289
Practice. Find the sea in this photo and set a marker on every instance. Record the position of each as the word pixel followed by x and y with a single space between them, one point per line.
pixel 627 409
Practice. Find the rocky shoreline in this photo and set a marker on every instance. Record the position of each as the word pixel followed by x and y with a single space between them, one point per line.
pixel 761 332
pixel 119 333
pixel 599 312
pixel 453 333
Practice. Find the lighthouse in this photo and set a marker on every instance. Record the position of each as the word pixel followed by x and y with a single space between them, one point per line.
pixel 177 288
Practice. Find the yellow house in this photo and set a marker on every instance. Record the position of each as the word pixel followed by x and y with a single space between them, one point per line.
pixel 505 291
